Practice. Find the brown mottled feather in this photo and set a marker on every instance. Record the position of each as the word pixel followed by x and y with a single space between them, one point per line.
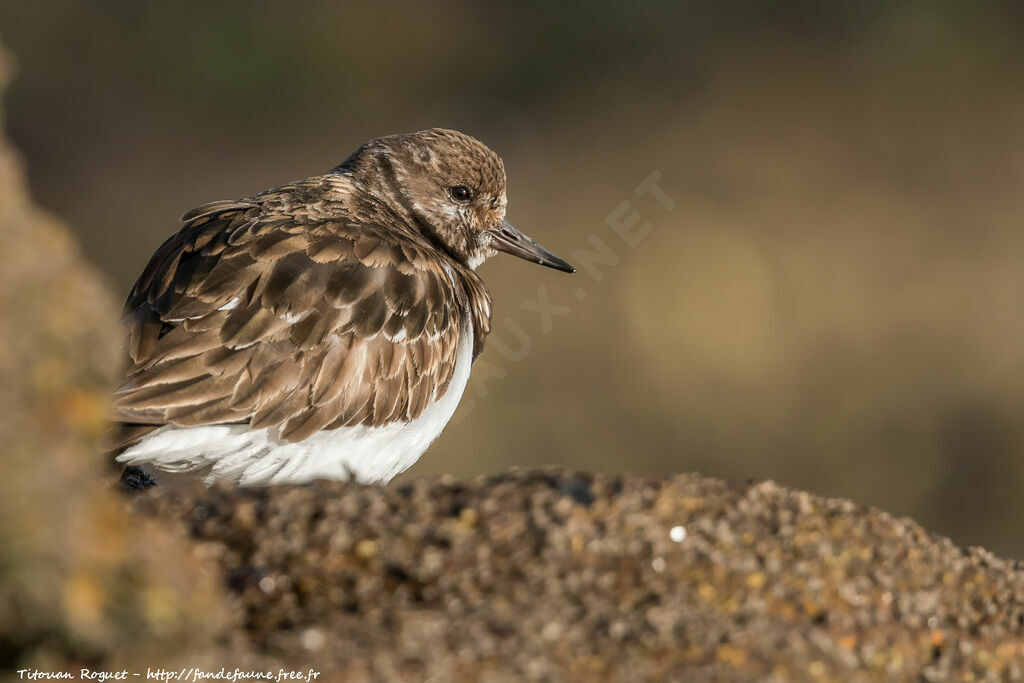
pixel 338 322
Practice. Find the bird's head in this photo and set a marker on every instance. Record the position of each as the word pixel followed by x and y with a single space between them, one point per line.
pixel 453 187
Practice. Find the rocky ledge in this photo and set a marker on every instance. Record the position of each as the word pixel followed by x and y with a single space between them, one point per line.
pixel 552 576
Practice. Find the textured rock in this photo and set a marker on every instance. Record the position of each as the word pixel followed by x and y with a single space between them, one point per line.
pixel 79 581
pixel 553 576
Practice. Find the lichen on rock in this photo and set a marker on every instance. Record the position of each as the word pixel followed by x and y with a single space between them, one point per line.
pixel 80 581
pixel 551 575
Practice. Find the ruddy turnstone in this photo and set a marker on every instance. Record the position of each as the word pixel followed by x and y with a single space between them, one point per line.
pixel 321 329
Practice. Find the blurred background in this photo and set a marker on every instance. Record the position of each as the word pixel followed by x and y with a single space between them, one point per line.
pixel 828 293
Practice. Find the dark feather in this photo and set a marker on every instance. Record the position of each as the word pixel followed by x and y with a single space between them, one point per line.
pixel 338 320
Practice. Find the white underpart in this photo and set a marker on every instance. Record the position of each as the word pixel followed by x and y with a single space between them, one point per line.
pixel 255 457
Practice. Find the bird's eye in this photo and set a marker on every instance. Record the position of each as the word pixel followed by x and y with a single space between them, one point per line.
pixel 461 193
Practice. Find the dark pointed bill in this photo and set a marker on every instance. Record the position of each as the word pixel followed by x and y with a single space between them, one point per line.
pixel 509 239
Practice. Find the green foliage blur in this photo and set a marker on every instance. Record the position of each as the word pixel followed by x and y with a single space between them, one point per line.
pixel 828 294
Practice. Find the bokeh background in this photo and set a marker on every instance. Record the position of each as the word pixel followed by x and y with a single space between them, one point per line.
pixel 833 300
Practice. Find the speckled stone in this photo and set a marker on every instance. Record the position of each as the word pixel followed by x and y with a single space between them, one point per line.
pixel 80 582
pixel 556 576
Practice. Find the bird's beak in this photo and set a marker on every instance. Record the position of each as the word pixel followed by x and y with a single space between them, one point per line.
pixel 509 239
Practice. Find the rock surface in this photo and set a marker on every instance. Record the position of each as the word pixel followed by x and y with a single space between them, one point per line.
pixel 80 583
pixel 553 576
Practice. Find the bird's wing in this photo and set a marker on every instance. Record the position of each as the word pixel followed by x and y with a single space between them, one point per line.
pixel 287 318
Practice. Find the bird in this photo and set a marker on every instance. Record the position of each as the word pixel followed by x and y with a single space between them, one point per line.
pixel 322 329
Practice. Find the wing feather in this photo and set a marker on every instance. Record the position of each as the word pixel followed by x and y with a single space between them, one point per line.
pixel 265 312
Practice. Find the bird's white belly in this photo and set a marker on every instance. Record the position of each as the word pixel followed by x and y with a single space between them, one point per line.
pixel 255 457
